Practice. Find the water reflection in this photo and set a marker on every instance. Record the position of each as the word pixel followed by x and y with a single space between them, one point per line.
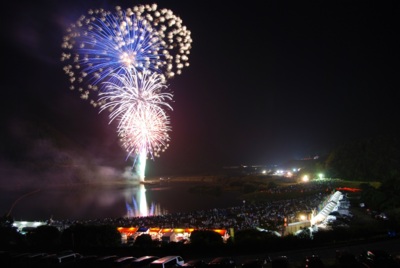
pixel 136 203
pixel 86 202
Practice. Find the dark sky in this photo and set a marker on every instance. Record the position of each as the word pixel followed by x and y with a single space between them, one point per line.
pixel 269 81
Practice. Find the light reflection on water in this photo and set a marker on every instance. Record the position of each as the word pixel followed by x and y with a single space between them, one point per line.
pixel 88 203
pixel 137 205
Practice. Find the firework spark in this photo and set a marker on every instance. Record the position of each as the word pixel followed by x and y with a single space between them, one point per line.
pixel 133 91
pixel 139 102
pixel 146 131
pixel 125 58
pixel 103 43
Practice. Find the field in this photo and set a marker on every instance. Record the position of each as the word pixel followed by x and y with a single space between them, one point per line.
pixel 258 188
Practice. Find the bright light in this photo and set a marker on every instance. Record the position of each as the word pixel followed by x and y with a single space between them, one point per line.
pixel 302 217
pixel 305 178
pixel 320 176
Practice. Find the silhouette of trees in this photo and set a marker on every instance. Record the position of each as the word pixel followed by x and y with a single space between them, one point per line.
pixel 91 236
pixel 206 240
pixel 372 159
pixel 144 241
pixel 9 235
pixel 44 237
pixel 367 160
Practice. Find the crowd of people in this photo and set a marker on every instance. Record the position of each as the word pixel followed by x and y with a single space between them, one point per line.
pixel 269 215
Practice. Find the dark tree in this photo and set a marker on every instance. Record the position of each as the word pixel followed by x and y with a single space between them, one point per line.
pixel 44 237
pixel 9 235
pixel 143 241
pixel 89 236
pixel 372 159
pixel 205 239
pixel 252 240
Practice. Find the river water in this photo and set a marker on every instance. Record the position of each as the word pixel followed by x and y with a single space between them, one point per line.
pixel 87 202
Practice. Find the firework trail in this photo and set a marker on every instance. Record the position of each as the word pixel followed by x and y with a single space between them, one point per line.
pixel 145 132
pixel 102 43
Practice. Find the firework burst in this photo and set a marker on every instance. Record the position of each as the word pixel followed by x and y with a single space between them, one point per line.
pixel 102 43
pixel 125 57
pixel 133 91
pixel 139 102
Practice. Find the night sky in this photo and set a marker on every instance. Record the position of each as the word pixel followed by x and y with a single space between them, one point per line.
pixel 269 81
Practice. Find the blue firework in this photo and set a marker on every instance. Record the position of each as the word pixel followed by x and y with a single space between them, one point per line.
pixel 116 44
pixel 102 43
pixel 111 44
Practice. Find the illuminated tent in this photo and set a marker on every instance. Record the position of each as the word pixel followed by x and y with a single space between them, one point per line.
pixel 332 205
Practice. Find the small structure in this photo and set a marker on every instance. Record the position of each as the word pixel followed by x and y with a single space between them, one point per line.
pixel 294 227
pixel 129 234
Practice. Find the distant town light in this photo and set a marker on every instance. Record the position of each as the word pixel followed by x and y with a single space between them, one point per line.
pixel 305 178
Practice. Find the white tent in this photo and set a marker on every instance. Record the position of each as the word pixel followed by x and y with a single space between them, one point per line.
pixel 332 205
